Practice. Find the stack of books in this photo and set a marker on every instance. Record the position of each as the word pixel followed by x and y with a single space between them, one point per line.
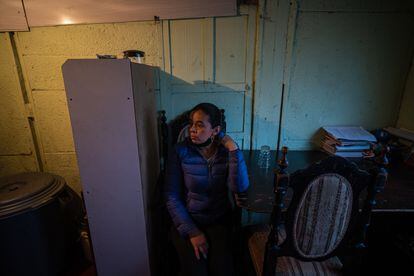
pixel 346 141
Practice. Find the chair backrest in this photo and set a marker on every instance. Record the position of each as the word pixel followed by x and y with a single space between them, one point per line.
pixel 178 128
pixel 321 216
pixel 324 213
pixel 162 139
pixel 324 208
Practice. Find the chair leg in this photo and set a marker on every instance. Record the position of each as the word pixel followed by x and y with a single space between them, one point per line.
pixel 270 260
pixel 354 264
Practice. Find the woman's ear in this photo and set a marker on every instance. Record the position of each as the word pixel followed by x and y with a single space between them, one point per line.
pixel 216 130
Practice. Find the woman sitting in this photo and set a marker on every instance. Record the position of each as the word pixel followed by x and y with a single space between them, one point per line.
pixel 200 170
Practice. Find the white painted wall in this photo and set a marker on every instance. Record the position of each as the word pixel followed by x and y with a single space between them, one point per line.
pixel 270 65
pixel 211 60
pixel 344 63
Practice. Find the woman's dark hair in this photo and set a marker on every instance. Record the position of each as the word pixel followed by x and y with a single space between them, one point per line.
pixel 212 111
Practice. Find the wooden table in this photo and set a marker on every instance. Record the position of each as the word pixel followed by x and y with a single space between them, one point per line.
pixel 397 197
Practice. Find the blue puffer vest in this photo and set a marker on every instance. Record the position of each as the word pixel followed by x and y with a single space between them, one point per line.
pixel 197 189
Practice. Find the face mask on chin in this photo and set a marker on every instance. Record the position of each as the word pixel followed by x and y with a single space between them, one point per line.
pixel 202 145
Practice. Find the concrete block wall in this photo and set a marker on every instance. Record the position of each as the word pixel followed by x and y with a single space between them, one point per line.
pixel 42 51
pixel 17 151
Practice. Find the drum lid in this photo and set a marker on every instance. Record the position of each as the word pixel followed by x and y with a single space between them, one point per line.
pixel 27 191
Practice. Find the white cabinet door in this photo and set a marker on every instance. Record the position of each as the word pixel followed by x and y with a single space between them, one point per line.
pixel 211 60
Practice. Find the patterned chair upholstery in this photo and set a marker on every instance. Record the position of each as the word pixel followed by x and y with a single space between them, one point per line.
pixel 288 265
pixel 322 221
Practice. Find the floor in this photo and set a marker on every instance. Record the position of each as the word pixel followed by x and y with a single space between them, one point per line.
pixel 78 264
pixel 390 251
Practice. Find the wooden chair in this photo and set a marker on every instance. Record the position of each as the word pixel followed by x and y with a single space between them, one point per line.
pixel 324 218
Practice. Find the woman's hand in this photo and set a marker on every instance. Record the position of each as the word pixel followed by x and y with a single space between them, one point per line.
pixel 229 143
pixel 200 245
pixel 241 199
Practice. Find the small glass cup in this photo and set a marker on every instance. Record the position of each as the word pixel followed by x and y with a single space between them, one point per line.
pixel 135 56
pixel 264 157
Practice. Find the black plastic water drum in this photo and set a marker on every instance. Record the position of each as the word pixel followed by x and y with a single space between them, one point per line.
pixel 36 227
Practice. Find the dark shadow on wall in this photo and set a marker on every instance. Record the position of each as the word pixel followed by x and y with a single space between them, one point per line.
pixel 177 96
